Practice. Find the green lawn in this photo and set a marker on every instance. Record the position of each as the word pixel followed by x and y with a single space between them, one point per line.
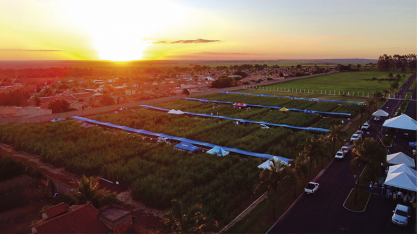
pixel 340 82
pixel 363 198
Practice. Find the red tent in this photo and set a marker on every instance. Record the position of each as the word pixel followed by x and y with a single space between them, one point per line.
pixel 239 104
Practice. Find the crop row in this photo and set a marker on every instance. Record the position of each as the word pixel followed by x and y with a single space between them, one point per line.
pixel 156 173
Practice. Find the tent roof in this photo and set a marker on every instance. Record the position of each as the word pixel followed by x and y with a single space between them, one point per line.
pixel 186 146
pixel 284 109
pixel 402 122
pixel 175 112
pixel 403 168
pixel 239 104
pixel 401 180
pixel 218 150
pixel 267 164
pixel 380 113
pixel 400 158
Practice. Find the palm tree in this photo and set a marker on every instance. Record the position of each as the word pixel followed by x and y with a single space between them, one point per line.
pixel 270 180
pixel 296 170
pixel 366 151
pixel 362 109
pixel 336 136
pixel 311 150
pixel 86 190
pixel 183 218
pixel 371 103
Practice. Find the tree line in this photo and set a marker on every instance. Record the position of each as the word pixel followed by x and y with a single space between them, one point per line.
pixel 397 62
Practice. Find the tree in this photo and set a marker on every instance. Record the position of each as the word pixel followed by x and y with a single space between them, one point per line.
pixel 59 105
pixel 366 152
pixel 336 136
pixel 371 103
pixel 107 100
pixel 86 190
pixel 312 149
pixel 186 92
pixel 398 77
pixel 362 109
pixel 182 218
pixel 296 170
pixel 269 180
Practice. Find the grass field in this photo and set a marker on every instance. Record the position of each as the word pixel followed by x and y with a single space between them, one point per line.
pixel 340 82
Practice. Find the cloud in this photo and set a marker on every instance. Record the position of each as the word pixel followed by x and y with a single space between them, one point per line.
pixel 22 50
pixel 217 54
pixel 187 41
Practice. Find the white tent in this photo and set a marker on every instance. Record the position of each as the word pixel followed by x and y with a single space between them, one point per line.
pixel 400 158
pixel 401 122
pixel 380 113
pixel 267 164
pixel 402 168
pixel 175 112
pixel 401 180
pixel 218 150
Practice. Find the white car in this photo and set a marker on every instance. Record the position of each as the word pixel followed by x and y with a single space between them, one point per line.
pixel 377 118
pixel 401 215
pixel 263 126
pixel 311 187
pixel 355 137
pixel 346 148
pixel 57 119
pixel 339 155
pixel 365 126
pixel 359 132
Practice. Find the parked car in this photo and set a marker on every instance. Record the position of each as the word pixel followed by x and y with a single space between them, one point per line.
pixel 377 118
pixel 365 126
pixel 57 119
pixel 359 132
pixel 355 137
pixel 263 126
pixel 339 155
pixel 346 148
pixel 311 187
pixel 401 215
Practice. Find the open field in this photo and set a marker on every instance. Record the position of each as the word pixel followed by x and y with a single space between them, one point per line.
pixel 341 82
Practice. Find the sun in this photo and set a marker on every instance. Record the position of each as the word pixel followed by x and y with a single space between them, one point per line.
pixel 118 29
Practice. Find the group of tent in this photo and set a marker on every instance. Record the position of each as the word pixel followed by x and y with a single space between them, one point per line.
pixel 401 174
pixel 192 148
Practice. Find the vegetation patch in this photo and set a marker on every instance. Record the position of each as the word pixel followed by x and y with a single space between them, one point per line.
pixel 358 205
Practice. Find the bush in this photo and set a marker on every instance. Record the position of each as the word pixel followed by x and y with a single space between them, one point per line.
pixel 10 168
pixel 109 199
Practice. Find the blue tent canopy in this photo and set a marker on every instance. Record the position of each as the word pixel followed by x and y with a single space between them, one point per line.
pixel 412 144
pixel 218 150
pixel 309 111
pixel 186 146
pixel 203 100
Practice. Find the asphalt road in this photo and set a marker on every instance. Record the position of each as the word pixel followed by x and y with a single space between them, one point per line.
pixel 324 211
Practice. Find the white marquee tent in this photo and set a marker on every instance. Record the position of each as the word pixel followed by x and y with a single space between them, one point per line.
pixel 380 113
pixel 267 164
pixel 401 122
pixel 400 158
pixel 175 112
pixel 401 176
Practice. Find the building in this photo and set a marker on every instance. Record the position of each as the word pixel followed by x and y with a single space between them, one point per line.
pixel 85 218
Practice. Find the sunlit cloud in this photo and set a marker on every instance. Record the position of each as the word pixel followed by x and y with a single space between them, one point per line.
pixel 187 41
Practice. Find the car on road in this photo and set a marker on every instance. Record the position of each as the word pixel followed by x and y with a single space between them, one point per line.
pixel 339 155
pixel 401 215
pixel 355 137
pixel 263 126
pixel 365 126
pixel 345 148
pixel 359 132
pixel 377 118
pixel 311 187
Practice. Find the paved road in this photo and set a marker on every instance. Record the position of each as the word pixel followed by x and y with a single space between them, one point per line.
pixel 324 212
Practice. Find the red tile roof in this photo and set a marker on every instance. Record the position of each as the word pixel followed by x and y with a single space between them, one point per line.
pixel 56 210
pixel 83 219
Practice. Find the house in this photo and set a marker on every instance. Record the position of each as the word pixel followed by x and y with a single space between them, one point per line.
pixel 130 92
pixel 62 218
pixel 83 97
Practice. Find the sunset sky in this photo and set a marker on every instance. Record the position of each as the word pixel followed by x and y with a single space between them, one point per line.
pixel 122 30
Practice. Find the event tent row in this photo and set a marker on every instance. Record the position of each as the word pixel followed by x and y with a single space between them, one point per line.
pixel 401 122
pixel 296 98
pixel 401 176
pixel 180 139
pixel 241 120
pixel 270 107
